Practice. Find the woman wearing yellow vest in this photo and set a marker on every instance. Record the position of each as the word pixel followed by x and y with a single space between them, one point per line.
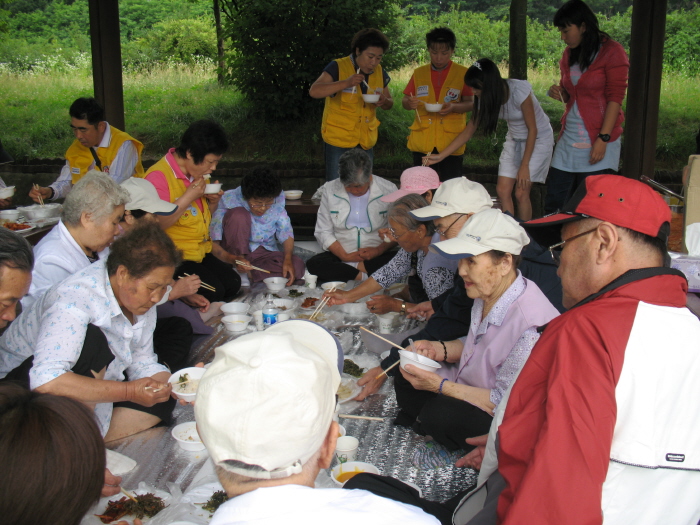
pixel 348 121
pixel 179 178
pixel 440 82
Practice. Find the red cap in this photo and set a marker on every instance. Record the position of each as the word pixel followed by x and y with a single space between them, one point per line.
pixel 621 201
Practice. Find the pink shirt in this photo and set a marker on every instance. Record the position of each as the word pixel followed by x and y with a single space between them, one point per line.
pixel 159 180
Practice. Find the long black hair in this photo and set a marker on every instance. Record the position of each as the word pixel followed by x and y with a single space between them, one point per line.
pixel 577 13
pixel 485 76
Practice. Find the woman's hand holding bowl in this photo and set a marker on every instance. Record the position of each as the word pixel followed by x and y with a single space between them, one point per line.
pixel 421 379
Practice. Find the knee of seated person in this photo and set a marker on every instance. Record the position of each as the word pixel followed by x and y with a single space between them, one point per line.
pixel 237 213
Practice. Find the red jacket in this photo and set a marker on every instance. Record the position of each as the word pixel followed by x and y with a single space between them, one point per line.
pixel 555 439
pixel 604 81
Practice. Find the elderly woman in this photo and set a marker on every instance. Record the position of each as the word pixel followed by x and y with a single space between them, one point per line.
pixel 458 401
pixel 88 225
pixel 414 237
pixel 250 222
pixel 348 121
pixel 82 336
pixel 180 178
pixel 349 217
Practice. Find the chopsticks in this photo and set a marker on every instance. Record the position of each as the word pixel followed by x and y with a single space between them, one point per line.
pixel 384 372
pixel 320 306
pixel 253 267
pixel 369 418
pixel 202 285
pixel 417 114
pixel 127 494
pixel 38 189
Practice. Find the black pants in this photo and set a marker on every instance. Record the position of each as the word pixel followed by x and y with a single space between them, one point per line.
pixel 172 340
pixel 215 273
pixel 448 420
pixel 449 168
pixel 328 267
pixel 561 186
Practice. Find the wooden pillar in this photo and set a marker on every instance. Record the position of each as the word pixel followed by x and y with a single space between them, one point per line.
pixel 107 59
pixel 517 52
pixel 644 91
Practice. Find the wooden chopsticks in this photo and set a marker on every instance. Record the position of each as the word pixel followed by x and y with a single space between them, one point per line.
pixel 38 189
pixel 320 306
pixel 384 372
pixel 202 285
pixel 253 267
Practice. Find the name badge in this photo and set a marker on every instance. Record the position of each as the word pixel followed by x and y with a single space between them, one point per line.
pixel 75 171
pixel 422 91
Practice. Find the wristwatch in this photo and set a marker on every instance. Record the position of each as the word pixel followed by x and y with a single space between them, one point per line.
pixel 403 308
pixel 605 137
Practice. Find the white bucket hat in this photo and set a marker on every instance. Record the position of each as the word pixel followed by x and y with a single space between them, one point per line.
pixel 459 195
pixel 485 231
pixel 268 398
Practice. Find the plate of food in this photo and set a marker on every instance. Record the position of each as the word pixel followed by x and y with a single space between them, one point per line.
pixel 206 498
pixel 348 389
pixel 18 227
pixel 309 303
pixel 149 502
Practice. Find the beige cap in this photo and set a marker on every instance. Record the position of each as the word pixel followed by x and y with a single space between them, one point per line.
pixel 143 196
pixel 485 231
pixel 459 195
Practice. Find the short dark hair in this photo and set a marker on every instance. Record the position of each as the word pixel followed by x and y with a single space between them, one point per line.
pixel 87 108
pixel 142 250
pixel 654 243
pixel 369 38
pixel 52 458
pixel 202 138
pixel 441 35
pixel 497 256
pixel 261 183
pixel 15 252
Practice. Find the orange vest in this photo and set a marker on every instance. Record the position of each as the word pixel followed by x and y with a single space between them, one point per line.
pixel 347 120
pixel 435 130
pixel 80 159
pixel 191 232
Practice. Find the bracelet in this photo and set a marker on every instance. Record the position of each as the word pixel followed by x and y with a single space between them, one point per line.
pixel 403 308
pixel 52 193
pixel 441 383
pixel 444 346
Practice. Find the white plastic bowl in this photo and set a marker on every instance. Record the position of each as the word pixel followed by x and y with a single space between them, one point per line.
pixel 194 373
pixel 341 430
pixel 8 192
pixel 338 285
pixel 187 437
pixel 212 188
pixel 236 322
pixel 9 215
pixel 275 284
pixel 36 211
pixel 370 98
pixel 235 307
pixel 293 195
pixel 350 466
pixel 355 309
pixel 417 360
pixel 433 108
pixel 288 304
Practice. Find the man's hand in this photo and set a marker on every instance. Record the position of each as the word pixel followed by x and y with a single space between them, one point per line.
pixel 147 391
pixel 111 485
pixel 381 304
pixel 474 458
pixel 370 382
pixel 34 194
pixel 421 311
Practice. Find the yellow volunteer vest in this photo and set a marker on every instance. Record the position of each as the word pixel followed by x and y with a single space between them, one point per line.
pixel 434 130
pixel 191 232
pixel 80 159
pixel 347 120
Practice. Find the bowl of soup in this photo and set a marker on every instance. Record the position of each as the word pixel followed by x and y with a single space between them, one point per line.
pixel 186 381
pixel 344 471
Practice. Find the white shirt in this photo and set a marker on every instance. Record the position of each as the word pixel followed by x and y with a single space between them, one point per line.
pixel 512 111
pixel 297 504
pixel 53 330
pixel 121 168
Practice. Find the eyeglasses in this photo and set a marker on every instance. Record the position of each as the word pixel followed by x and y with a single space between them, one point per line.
pixel 444 233
pixel 556 249
pixel 397 237
pixel 261 206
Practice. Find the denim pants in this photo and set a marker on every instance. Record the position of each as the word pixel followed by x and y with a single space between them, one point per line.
pixel 332 155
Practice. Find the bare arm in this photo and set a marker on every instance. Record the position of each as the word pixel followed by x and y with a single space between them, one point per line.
pixel 465 136
pixel 528 109
pixel 599 147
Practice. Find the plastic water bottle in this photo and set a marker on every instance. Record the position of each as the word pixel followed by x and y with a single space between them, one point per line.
pixel 269 312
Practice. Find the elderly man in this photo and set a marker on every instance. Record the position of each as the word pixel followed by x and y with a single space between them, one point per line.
pixel 270 444
pixel 16 263
pixel 97 145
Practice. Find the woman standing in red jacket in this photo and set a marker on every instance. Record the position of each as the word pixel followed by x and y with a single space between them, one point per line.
pixel 593 85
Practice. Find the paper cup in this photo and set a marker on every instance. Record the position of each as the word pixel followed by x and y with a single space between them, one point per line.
pixel 346 448
pixel 310 281
pixel 258 318
pixel 386 322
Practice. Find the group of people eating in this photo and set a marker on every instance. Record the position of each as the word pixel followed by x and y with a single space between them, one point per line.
pixel 557 377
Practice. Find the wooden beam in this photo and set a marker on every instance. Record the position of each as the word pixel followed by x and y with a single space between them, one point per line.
pixel 517 50
pixel 644 91
pixel 107 59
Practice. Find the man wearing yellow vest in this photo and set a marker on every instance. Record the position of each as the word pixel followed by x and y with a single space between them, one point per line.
pixel 181 177
pixel 97 146
pixel 440 82
pixel 348 120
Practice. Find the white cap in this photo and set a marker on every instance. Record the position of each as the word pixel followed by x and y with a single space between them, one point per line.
pixel 143 196
pixel 485 231
pixel 459 195
pixel 268 399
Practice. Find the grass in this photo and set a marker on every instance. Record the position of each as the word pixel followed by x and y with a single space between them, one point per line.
pixel 160 104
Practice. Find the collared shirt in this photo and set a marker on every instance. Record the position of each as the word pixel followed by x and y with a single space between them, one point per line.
pixel 53 330
pixel 273 224
pixel 157 178
pixel 122 166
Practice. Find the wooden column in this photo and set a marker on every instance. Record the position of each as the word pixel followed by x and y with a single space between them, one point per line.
pixel 517 50
pixel 107 59
pixel 643 93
